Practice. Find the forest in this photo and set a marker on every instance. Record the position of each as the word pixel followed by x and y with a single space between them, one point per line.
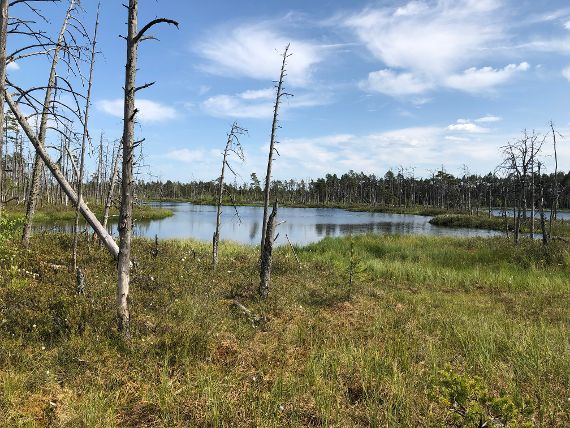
pixel 100 327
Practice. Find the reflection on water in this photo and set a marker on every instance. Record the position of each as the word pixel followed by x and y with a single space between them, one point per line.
pixel 301 225
pixel 560 215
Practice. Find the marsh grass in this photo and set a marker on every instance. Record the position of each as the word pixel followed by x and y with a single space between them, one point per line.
pixel 52 213
pixel 433 332
pixel 560 227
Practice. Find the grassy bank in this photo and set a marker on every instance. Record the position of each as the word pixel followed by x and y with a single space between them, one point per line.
pixel 432 332
pixel 560 227
pixel 50 214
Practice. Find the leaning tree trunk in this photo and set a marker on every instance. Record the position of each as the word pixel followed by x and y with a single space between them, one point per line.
pixel 267 254
pixel 274 127
pixel 38 163
pixel 105 237
pixel 3 38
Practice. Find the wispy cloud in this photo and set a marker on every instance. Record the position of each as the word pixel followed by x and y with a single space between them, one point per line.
pixel 254 51
pixel 149 111
pixel 12 66
pixel 424 45
pixel 390 83
pixel 566 73
pixel 480 79
pixel 464 125
pixel 431 39
pixel 258 104
pixel 186 155
pixel 489 119
pixel 426 147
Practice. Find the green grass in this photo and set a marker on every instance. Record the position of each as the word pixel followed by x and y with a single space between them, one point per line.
pixel 49 214
pixel 433 332
pixel 560 227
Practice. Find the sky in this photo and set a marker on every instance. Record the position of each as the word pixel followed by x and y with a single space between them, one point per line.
pixel 377 85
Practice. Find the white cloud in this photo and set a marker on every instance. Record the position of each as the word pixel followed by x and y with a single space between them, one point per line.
pixel 12 66
pixel 255 51
pixel 466 126
pixel 149 111
pixel 391 83
pixel 479 79
pixel 257 104
pixel 566 73
pixel 257 94
pixel 429 38
pixel 186 155
pixel 488 119
pixel 424 45
pixel 235 106
pixel 424 147
pixel 567 25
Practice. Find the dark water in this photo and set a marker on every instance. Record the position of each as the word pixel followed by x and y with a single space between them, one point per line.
pixel 301 225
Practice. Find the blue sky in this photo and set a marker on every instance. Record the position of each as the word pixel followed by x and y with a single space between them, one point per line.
pixel 377 84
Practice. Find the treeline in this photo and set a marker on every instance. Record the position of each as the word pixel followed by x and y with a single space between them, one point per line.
pixel 468 193
pixel 17 166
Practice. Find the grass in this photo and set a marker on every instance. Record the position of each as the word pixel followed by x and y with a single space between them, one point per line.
pixel 433 332
pixel 51 213
pixel 560 227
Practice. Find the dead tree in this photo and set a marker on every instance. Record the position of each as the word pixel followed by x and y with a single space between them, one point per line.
pixel 554 207
pixel 90 218
pixel 46 110
pixel 541 208
pixel 85 136
pixel 113 180
pixel 519 158
pixel 267 254
pixel 3 38
pixel 233 145
pixel 280 93
pixel 134 37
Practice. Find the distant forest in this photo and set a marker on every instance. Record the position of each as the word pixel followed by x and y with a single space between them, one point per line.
pixel 399 189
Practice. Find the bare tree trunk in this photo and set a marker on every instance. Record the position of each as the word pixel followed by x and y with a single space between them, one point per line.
pixel 114 176
pixel 126 214
pixel 216 238
pixel 554 208
pixel 105 237
pixel 84 140
pixel 541 208
pixel 267 254
pixel 232 145
pixel 3 39
pixel 127 180
pixel 38 163
pixel 280 93
pixel 533 196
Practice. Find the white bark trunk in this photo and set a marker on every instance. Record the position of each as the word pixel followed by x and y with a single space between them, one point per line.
pixel 105 237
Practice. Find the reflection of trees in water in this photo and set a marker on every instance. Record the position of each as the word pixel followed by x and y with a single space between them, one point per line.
pixel 141 228
pixel 253 230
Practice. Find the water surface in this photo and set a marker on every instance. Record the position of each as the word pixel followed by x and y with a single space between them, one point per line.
pixel 300 225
